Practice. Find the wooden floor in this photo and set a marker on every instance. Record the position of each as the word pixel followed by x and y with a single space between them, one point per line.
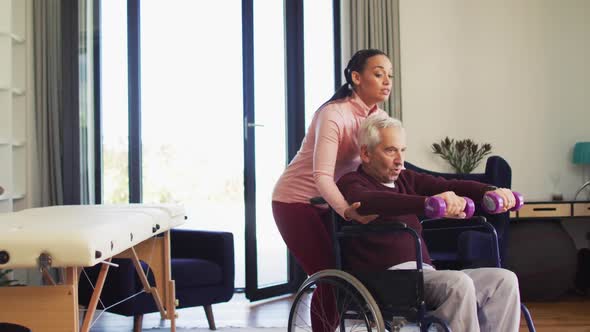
pixel 571 314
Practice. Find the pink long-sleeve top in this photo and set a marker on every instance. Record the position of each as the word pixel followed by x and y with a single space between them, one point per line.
pixel 329 150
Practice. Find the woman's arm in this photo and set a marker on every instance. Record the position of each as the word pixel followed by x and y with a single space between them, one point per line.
pixel 328 137
pixel 327 140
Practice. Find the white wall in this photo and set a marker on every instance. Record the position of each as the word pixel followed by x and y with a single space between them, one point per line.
pixel 515 74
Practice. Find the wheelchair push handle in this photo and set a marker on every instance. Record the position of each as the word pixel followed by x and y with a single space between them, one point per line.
pixel 436 207
pixel 492 203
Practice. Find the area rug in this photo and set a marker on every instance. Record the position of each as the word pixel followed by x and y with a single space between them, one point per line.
pixel 263 329
pixel 223 329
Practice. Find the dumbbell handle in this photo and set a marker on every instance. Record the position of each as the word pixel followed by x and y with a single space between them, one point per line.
pixel 436 207
pixel 493 203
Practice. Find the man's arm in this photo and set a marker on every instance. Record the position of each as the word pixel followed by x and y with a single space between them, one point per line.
pixel 428 185
pixel 355 188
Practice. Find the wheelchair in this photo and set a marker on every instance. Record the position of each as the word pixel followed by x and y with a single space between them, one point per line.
pixel 378 300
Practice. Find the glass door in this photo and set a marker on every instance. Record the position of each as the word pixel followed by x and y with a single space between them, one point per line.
pixel 191 123
pixel 275 121
pixel 267 261
pixel 216 117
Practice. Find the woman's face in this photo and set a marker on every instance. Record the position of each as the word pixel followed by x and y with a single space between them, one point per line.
pixel 373 84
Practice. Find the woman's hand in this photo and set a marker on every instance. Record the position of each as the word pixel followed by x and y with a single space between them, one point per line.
pixel 350 213
pixel 455 204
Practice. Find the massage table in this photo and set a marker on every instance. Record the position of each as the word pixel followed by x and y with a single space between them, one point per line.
pixel 74 237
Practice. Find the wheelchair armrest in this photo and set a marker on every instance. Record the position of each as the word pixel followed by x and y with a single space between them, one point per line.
pixel 450 223
pixel 352 228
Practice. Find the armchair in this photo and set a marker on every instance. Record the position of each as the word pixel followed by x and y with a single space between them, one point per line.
pixel 202 268
pixel 472 246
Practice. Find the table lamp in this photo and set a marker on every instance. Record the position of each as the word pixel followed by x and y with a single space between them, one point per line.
pixel 582 156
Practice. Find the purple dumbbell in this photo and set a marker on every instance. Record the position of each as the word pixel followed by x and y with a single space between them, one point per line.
pixel 469 207
pixel 493 203
pixel 436 207
pixel 518 201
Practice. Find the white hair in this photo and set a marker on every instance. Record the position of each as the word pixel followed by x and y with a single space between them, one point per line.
pixel 369 132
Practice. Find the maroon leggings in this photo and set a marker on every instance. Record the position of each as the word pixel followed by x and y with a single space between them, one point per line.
pixel 306 231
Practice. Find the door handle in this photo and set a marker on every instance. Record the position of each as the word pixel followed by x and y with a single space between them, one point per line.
pixel 249 125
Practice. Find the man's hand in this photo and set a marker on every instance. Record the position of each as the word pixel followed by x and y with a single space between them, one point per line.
pixel 350 213
pixel 455 204
pixel 507 197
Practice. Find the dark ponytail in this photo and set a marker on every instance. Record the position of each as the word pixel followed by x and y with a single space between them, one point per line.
pixel 357 63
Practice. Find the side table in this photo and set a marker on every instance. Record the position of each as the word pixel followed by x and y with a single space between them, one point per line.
pixel 541 251
pixel 552 209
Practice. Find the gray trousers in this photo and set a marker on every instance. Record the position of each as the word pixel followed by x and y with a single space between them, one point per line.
pixel 483 299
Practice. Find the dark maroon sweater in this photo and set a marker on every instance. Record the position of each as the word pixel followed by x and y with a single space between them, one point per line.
pixel 403 203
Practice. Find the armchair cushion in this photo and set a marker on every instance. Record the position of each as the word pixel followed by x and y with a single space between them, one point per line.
pixel 194 272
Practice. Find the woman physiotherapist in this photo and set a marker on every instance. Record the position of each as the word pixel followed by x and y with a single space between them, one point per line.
pixel 329 150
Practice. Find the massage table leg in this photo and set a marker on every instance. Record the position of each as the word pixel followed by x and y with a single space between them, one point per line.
pixel 102 275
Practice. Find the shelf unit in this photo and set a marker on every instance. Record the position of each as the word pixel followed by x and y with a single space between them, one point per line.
pixel 15 49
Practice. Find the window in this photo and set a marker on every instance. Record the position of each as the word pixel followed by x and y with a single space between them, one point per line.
pixel 114 110
pixel 319 55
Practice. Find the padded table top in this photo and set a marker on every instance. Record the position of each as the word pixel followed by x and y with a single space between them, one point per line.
pixel 80 235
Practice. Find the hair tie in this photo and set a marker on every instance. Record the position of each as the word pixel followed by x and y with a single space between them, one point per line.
pixel 348 76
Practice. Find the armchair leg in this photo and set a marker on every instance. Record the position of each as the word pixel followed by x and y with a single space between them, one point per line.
pixel 209 314
pixel 137 322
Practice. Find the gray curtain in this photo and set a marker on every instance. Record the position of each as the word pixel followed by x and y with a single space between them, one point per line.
pixel 375 24
pixel 48 101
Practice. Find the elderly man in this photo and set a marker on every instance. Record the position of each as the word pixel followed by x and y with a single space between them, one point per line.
pixel 485 299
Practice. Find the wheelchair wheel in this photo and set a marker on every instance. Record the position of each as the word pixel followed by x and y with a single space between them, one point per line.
pixel 354 309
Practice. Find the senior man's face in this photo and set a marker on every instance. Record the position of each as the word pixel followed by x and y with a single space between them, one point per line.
pixel 385 161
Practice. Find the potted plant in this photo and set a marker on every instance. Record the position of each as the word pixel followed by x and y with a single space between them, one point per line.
pixel 463 155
